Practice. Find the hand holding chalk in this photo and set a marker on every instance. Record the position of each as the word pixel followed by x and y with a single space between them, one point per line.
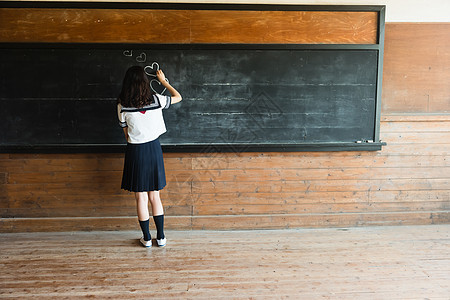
pixel 161 77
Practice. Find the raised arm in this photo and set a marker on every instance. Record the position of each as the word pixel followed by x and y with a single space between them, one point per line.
pixel 176 97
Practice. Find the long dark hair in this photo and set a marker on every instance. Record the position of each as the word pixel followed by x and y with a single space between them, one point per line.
pixel 136 90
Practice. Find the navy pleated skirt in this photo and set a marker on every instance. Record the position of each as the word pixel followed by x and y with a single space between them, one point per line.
pixel 143 169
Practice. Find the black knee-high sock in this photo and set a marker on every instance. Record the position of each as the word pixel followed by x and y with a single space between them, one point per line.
pixel 145 229
pixel 159 222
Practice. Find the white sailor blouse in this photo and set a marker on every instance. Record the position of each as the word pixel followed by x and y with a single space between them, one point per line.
pixel 144 124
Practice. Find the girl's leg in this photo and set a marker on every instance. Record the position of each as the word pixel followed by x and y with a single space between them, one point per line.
pixel 158 215
pixel 142 206
pixel 143 214
pixel 155 201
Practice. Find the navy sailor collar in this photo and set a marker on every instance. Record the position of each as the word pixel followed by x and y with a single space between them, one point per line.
pixel 153 105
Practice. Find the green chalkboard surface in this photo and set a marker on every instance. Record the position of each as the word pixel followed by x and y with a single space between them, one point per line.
pixel 236 98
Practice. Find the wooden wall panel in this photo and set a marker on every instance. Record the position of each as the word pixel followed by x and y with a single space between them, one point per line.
pixel 307 27
pixel 185 26
pixel 408 182
pixel 416 68
pixel 93 25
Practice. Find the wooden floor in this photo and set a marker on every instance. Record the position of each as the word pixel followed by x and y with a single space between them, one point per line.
pixel 405 262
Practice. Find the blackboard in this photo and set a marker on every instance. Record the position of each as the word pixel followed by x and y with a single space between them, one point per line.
pixel 238 99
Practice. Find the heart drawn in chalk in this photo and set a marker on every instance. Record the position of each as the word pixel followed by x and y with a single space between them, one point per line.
pixel 141 58
pixel 128 52
pixel 157 87
pixel 151 69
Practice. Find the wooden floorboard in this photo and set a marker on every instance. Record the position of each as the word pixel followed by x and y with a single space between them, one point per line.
pixel 388 262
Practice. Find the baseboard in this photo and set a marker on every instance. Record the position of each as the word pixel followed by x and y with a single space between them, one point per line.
pixel 227 222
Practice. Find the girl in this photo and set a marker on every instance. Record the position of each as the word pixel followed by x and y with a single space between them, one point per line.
pixel 140 116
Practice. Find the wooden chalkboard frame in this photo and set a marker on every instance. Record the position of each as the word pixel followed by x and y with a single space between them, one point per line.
pixel 77 148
